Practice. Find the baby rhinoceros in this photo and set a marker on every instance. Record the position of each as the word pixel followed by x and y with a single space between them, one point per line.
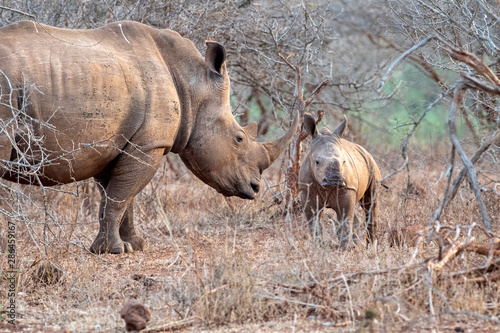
pixel 337 174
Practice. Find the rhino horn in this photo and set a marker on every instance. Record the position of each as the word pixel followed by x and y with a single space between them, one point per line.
pixel 276 147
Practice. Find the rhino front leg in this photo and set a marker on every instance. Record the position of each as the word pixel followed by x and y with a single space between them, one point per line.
pixel 119 185
pixel 344 204
pixel 313 214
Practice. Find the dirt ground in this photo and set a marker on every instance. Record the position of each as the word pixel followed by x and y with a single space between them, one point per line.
pixel 230 265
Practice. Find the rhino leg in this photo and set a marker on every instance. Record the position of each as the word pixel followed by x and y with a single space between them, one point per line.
pixel 128 234
pixel 344 207
pixel 357 224
pixel 126 177
pixel 369 204
pixel 5 152
pixel 311 208
pixel 5 147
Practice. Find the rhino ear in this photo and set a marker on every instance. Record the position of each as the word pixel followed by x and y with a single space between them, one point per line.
pixel 310 125
pixel 342 129
pixel 215 56
pixel 252 129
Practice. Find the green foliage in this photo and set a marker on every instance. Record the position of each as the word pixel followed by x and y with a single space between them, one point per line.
pixel 412 93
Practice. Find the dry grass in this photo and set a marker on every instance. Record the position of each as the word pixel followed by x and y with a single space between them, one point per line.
pixel 233 265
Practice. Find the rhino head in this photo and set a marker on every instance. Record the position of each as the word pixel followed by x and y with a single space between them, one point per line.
pixel 327 158
pixel 219 151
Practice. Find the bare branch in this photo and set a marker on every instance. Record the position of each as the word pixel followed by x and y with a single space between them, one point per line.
pixel 493 139
pixel 315 93
pixel 457 100
pixel 400 58
pixel 18 12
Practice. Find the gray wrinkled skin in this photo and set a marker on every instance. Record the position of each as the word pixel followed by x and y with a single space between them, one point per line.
pixel 108 103
pixel 337 174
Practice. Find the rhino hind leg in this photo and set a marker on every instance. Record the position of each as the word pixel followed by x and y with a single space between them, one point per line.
pixel 128 234
pixel 357 236
pixel 126 177
pixel 369 204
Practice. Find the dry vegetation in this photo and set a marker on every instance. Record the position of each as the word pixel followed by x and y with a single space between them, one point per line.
pixel 216 264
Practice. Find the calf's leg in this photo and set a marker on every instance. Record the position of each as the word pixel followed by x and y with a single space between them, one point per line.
pixel 344 207
pixel 313 214
pixel 369 203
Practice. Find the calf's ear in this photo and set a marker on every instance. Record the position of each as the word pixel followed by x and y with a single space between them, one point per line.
pixel 310 125
pixel 342 129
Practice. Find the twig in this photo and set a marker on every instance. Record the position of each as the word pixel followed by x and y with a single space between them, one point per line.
pixel 401 57
pixel 315 93
pixel 457 100
pixel 123 34
pixel 493 139
pixel 450 254
pixel 485 250
pixel 377 272
pixel 488 277
pixel 298 87
pixel 436 215
pixel 173 326
pixel 350 298
pixel 475 314
pixel 18 12
pixel 429 285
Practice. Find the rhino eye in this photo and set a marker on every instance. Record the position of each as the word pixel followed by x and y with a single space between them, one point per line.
pixel 239 138
pixel 317 162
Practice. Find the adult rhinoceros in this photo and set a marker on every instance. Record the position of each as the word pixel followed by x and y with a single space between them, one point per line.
pixel 108 103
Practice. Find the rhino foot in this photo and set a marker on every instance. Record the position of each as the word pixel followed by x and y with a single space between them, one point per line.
pixel 115 246
pixel 137 243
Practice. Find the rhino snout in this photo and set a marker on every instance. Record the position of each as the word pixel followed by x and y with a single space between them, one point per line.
pixel 333 182
pixel 249 192
pixel 255 187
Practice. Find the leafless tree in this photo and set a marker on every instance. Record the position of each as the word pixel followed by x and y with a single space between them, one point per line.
pixel 444 37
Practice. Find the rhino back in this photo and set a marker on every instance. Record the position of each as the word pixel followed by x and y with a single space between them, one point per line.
pixel 103 88
pixel 361 167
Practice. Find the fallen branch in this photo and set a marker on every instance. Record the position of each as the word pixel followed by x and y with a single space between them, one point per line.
pixel 488 277
pixel 491 250
pixel 449 255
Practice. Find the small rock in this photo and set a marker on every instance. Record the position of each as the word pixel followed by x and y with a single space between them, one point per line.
pixel 136 315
